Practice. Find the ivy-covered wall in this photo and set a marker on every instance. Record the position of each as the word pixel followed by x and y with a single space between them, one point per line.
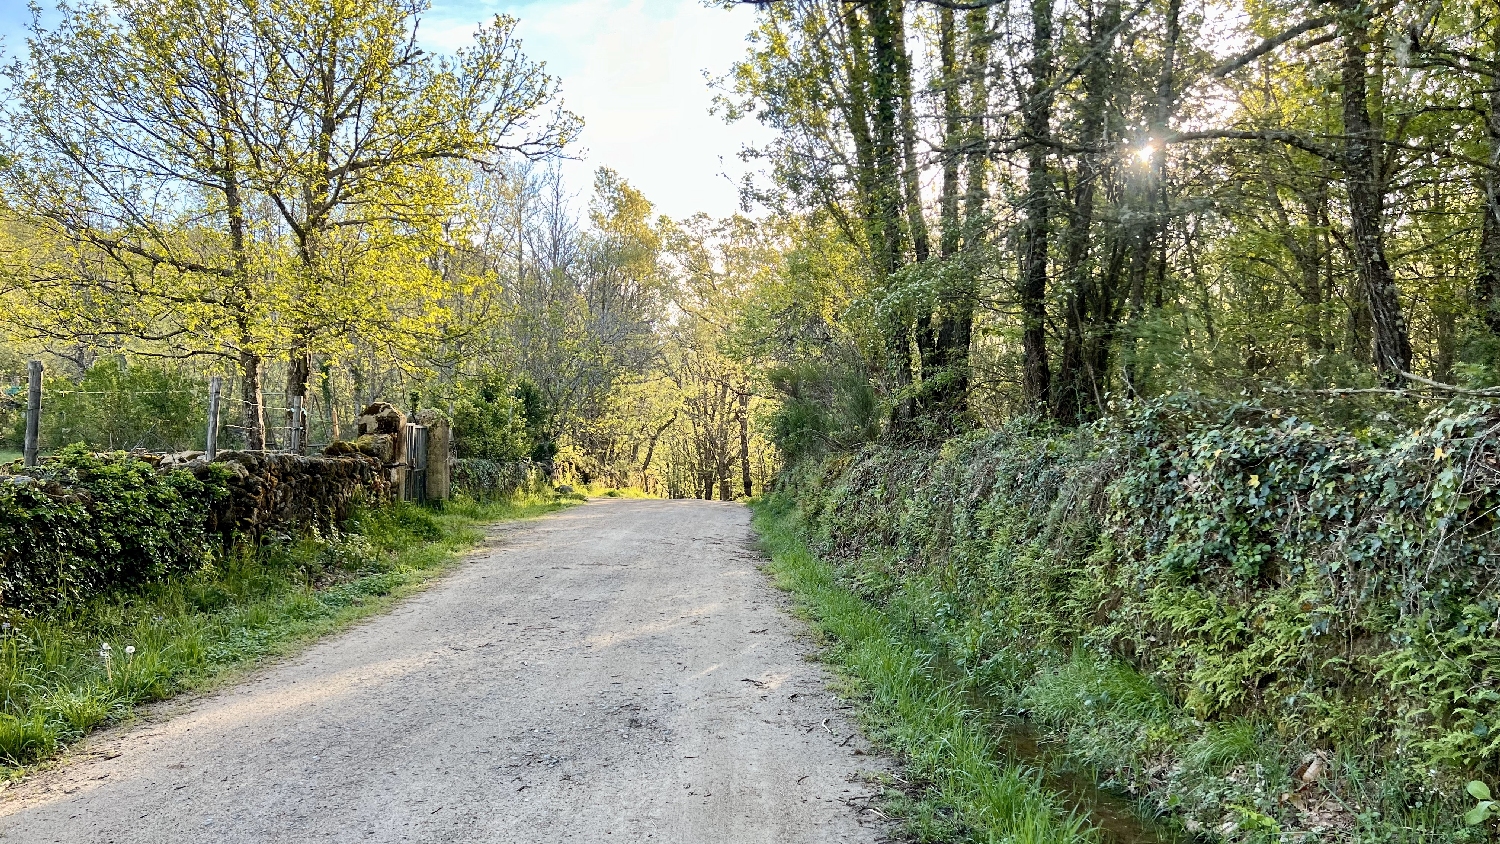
pixel 484 479
pixel 81 524
pixel 1336 588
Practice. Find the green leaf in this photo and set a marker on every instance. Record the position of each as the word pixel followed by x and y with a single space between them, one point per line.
pixel 1477 790
pixel 1479 814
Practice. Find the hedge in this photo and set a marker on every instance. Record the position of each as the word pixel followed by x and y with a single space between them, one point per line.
pixel 485 479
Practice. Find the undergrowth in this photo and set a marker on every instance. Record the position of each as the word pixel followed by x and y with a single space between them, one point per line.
pixel 964 787
pixel 89 664
pixel 1274 629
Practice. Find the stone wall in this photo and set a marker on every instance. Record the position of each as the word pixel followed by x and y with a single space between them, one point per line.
pixel 492 479
pixel 274 492
pixel 281 493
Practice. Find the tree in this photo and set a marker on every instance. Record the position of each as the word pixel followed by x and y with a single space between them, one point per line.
pixel 121 151
pixel 222 177
pixel 352 126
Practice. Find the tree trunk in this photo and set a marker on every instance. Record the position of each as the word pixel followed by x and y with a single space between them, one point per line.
pixel 1161 125
pixel 1307 254
pixel 888 202
pixel 651 449
pixel 948 328
pixel 299 372
pixel 1072 392
pixel 1148 259
pixel 1487 285
pixel 976 158
pixel 1036 376
pixel 252 395
pixel 911 170
pixel 1445 323
pixel 330 403
pixel 252 399
pixel 1100 343
pixel 953 135
pixel 744 414
pixel 1362 179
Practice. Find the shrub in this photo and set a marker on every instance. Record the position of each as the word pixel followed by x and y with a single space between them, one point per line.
pixel 825 408
pixel 494 422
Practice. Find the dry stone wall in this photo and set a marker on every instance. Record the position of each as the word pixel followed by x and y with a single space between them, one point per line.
pixel 282 493
pixel 82 523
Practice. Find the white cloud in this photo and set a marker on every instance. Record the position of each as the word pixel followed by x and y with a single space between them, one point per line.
pixel 634 69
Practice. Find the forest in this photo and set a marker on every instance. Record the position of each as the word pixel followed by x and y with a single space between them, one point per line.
pixel 1057 204
pixel 1143 342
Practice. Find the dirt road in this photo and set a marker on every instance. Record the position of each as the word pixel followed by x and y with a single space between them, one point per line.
pixel 617 672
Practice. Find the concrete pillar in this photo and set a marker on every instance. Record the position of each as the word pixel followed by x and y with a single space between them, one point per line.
pixel 439 454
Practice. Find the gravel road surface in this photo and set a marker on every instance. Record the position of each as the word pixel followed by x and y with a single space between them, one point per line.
pixel 621 671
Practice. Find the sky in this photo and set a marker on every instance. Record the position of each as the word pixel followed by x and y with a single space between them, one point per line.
pixel 633 69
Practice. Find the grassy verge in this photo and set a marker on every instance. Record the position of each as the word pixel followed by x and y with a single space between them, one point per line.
pixel 965 788
pixel 74 671
pixel 9 456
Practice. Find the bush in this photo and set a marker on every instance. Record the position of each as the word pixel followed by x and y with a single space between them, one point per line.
pixel 825 408
pixel 79 525
pixel 493 422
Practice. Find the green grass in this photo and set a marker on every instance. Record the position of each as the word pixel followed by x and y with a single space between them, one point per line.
pixel 56 684
pixel 9 456
pixel 601 491
pixel 962 787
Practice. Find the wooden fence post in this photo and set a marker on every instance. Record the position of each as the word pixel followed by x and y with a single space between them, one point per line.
pixel 33 412
pixel 215 385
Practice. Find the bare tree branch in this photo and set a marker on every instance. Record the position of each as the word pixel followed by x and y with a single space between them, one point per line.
pixel 1270 44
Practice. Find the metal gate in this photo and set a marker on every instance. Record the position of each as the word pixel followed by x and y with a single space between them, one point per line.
pixel 416 463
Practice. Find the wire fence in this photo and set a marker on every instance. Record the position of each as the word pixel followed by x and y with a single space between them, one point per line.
pixel 283 428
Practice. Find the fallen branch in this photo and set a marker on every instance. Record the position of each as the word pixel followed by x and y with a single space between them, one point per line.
pixel 1488 392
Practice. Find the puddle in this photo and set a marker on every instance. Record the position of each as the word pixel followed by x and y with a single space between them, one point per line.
pixel 1116 817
